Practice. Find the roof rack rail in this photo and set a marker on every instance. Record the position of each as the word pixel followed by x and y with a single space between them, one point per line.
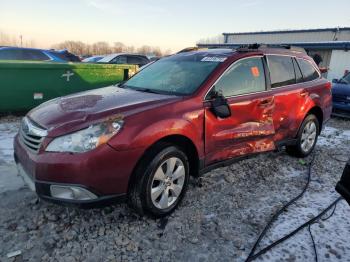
pixel 256 47
pixel 190 49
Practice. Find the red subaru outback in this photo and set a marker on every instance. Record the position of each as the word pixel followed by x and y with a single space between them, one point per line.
pixel 182 115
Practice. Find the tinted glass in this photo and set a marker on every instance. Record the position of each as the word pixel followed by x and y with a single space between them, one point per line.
pixel 35 55
pixel 346 79
pixel 135 60
pixel 281 71
pixel 120 60
pixel 307 69
pixel 11 54
pixel 180 74
pixel 298 75
pixel 244 77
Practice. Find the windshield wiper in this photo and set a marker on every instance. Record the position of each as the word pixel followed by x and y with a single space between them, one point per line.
pixel 147 90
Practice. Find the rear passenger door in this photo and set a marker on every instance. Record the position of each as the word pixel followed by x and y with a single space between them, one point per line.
pixel 285 80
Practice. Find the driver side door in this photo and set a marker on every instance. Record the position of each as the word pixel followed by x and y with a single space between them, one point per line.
pixel 250 127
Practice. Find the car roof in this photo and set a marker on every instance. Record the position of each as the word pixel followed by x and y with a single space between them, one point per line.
pixel 109 57
pixel 228 52
pixel 30 48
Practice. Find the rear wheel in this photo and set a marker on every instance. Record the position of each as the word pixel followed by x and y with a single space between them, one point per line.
pixel 307 137
pixel 161 181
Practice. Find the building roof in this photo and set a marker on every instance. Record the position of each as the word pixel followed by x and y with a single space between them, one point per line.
pixel 287 31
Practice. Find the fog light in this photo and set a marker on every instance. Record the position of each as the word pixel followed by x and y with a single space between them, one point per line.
pixel 71 192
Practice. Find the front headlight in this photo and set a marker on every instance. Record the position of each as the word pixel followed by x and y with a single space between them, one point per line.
pixel 86 139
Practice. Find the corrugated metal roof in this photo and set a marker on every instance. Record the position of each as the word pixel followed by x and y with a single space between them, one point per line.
pixel 290 36
pixel 332 29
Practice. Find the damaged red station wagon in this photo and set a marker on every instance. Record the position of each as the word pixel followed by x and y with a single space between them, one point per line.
pixel 183 115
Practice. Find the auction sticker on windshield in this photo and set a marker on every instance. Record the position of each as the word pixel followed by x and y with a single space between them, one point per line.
pixel 213 59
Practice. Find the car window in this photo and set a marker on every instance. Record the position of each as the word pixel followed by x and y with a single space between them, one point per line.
pixel 35 55
pixel 281 70
pixel 298 75
pixel 307 69
pixel 346 79
pixel 11 54
pixel 244 77
pixel 134 60
pixel 120 60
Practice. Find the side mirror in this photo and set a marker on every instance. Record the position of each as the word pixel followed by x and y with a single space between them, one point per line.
pixel 335 80
pixel 220 107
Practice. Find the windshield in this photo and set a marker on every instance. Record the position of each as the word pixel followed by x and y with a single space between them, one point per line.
pixel 180 74
pixel 346 79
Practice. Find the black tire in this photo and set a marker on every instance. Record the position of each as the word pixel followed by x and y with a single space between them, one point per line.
pixel 297 150
pixel 139 197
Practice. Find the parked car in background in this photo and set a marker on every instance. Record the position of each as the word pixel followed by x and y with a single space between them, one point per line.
pixel 33 54
pixel 341 96
pixel 123 58
pixel 182 115
pixel 93 59
pixel 343 186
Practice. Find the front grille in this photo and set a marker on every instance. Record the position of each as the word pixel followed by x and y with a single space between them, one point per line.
pixel 31 135
pixel 341 98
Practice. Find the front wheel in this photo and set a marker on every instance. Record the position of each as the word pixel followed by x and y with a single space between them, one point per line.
pixel 306 138
pixel 161 181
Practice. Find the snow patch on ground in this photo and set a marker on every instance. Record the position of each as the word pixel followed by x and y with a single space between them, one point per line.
pixel 219 219
pixel 7 133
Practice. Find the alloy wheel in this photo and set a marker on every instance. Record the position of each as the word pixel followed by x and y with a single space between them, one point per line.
pixel 168 182
pixel 308 137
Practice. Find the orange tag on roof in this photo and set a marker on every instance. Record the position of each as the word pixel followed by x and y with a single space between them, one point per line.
pixel 255 71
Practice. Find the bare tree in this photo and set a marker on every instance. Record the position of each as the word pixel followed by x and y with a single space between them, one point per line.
pixel 218 39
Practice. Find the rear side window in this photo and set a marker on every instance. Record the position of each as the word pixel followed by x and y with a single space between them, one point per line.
pixel 244 77
pixel 120 60
pixel 11 54
pixel 134 60
pixel 35 55
pixel 281 70
pixel 137 60
pixel 307 69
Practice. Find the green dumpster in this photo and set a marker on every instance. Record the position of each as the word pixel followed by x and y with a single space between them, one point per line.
pixel 26 84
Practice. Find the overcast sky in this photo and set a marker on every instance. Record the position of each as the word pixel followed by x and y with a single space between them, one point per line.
pixel 168 24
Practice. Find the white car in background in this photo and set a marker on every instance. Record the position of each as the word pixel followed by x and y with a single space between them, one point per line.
pixel 93 59
pixel 123 58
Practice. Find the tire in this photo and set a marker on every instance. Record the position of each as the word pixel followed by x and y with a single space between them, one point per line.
pixel 306 138
pixel 164 171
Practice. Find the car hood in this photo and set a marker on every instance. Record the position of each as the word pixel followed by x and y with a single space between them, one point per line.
pixel 341 89
pixel 73 112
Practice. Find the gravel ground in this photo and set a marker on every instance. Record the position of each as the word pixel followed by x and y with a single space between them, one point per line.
pixel 219 219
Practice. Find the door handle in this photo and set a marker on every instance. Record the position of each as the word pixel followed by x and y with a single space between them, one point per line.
pixel 304 93
pixel 266 102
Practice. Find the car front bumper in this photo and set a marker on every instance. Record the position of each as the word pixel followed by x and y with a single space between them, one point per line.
pixel 96 178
